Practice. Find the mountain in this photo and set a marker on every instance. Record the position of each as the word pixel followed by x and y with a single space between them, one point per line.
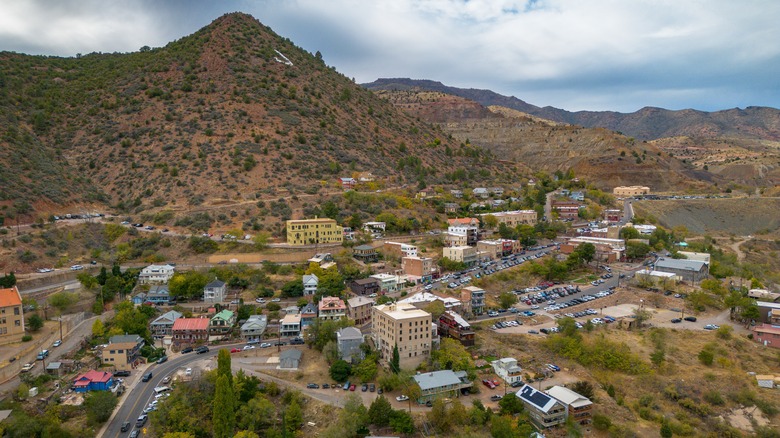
pixel 601 156
pixel 646 124
pixel 228 115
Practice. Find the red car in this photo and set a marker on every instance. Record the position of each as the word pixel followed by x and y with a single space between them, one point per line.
pixel 235 350
pixel 488 383
pixel 351 387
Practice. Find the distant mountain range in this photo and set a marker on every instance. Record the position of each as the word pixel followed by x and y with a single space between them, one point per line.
pixel 646 124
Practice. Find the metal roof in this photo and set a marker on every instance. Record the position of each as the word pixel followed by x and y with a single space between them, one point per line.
pixel 537 399
pixel 682 264
pixel 436 379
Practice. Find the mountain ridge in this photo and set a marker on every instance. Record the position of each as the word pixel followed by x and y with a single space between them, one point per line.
pixel 648 123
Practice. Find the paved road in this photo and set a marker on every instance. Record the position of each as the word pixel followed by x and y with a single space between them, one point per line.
pixel 139 394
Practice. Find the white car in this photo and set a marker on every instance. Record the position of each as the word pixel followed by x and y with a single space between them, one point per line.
pixel 401 398
pixel 260 300
pixel 276 300
pixel 248 347
pixel 265 345
pixel 188 372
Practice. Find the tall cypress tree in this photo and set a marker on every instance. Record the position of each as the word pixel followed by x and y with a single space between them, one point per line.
pixel 223 365
pixel 395 362
pixel 223 417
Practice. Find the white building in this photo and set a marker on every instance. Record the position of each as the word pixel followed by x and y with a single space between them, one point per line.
pixel 387 282
pixel 507 369
pixel 422 299
pixel 156 274
pixel 214 292
pixel 310 283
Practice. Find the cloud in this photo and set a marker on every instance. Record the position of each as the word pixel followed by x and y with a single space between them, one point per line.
pixel 599 54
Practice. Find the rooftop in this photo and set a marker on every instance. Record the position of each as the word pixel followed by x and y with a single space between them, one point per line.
pixel 349 333
pixel 436 379
pixel 10 297
pixel 538 399
pixel 191 324
pixel 685 264
pixel 402 311
pixel 360 301
pixel 568 397
pixel 121 339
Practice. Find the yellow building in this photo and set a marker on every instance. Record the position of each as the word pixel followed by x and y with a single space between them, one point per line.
pixel 407 327
pixel 313 231
pixel 11 315
pixel 624 191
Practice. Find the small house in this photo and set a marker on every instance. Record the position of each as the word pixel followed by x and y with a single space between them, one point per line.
pixel 290 359
pixel 93 381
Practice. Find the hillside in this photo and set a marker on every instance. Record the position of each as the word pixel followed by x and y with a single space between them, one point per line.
pixel 646 124
pixel 603 157
pixel 229 114
pixel 738 216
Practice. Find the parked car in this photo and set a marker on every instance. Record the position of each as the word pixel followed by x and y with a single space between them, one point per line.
pixel 326 386
pixel 167 379
pixel 43 354
pixel 57 343
pixel 265 345
pixel 676 320
pixel 162 360
pixel 28 367
pixel 125 426
pixel 187 350
pixel 711 327
pixel 371 387
pixel 690 318
pixel 121 373
pixel 401 398
pixel 188 372
pixel 364 388
pixel 141 420
pixel 235 350
pixel 202 349
pixel 249 347
pixel 352 387
pixel 147 377
pixel 313 386
pixel 517 384
pixel 488 383
pixel 553 367
pixel 495 397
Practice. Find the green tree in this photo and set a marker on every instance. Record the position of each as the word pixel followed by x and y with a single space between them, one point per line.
pixel 380 411
pixel 402 422
pixel 666 430
pixel 507 299
pixel 35 322
pixel 292 289
pixel 188 285
pixel 63 300
pixel 256 414
pixel 8 280
pixel 99 406
pixel 641 316
pixel 340 370
pixel 366 370
pixel 452 355
pixel 223 416
pixel 436 309
pixel 223 365
pixel 510 404
pixel 98 329
pixel 293 417
pixel 86 280
pixel 501 427
pixel 395 362
pixel 706 357
pixel 439 417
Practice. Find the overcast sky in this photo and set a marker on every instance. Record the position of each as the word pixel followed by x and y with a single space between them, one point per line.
pixel 617 55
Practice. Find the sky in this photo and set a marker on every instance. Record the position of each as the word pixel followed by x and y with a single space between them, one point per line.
pixel 618 55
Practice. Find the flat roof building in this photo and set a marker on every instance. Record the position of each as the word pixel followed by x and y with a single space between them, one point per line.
pixel 405 326
pixel 313 231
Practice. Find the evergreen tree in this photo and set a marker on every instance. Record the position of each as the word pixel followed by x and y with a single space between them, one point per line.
pixel 380 411
pixel 666 430
pixel 293 417
pixel 223 417
pixel 395 363
pixel 223 365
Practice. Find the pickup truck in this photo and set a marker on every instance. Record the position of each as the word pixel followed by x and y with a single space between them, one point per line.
pixel 28 367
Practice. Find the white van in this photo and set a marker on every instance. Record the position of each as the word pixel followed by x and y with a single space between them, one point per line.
pixel 161 389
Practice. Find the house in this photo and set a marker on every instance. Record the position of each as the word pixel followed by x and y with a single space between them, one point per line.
pixel 93 381
pixel 163 325
pixel 214 292
pixel 313 231
pixel 349 340
pixel 628 191
pixel 456 193
pixel 159 295
pixel 767 334
pixel 495 249
pixel 387 283
pixel 543 410
pixel 405 327
pixel 254 327
pixel 54 369
pixel 514 218
pixel 375 227
pixel 308 314
pixel 324 260
pixel 156 274
pixel 452 325
pixel 507 369
pixel 473 299
pixel 613 215
pixel 290 359
pixel 441 384
pixel 480 192
pixel 496 191
pixel 577 196
pixel 190 331
pixel 577 406
pixel 399 250
pixel 365 253
pixel 332 308
pixel 567 210
pixel 468 226
pixel 11 315
pixel 607 250
pixel 222 323
pixel 290 325
pixel 366 177
pixel 451 207
pixel 348 183
pixel 310 283
pixel 139 298
pixel 365 286
pixel 687 270
pixel 359 309
pixel 422 267
pixel 123 352
pixel 463 254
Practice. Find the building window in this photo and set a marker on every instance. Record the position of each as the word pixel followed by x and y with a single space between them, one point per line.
pixel 16 310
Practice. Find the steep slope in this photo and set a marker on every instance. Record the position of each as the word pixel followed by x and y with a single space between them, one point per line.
pixel 232 112
pixel 645 124
pixel 601 156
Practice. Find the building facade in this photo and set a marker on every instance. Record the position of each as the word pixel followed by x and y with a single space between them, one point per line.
pixel 222 323
pixel 156 274
pixel 190 331
pixel 163 325
pixel 254 328
pixel 514 218
pixel 365 286
pixel 348 341
pixel 399 250
pixel 313 231
pixel 290 325
pixel 578 407
pixel 11 315
pixel 214 292
pixel 507 369
pixel 452 325
pixel 359 309
pixel 475 297
pixel 123 351
pixel 422 267
pixel 365 253
pixel 628 191
pixel 543 410
pixel 331 308
pixel 441 384
pixel 687 270
pixel 405 327
pixel 463 254
pixel 310 284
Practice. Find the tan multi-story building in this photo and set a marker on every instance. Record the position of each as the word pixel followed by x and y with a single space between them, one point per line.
pixel 404 326
pixel 624 191
pixel 359 309
pixel 313 231
pixel 123 351
pixel 514 218
pixel 418 266
pixel 11 315
pixel 465 254
pixel 456 239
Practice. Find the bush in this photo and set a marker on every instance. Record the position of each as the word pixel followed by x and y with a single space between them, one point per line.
pixel 26 338
pixel 706 357
pixel 724 332
pixel 714 398
pixel 601 422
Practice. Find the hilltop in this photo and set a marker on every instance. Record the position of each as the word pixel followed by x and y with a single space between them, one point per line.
pixel 229 114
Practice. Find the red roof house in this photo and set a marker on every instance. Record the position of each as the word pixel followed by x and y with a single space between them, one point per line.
pixel 93 381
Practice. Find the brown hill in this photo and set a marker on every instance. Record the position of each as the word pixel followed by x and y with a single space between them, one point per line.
pixel 599 155
pixel 231 113
pixel 646 124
